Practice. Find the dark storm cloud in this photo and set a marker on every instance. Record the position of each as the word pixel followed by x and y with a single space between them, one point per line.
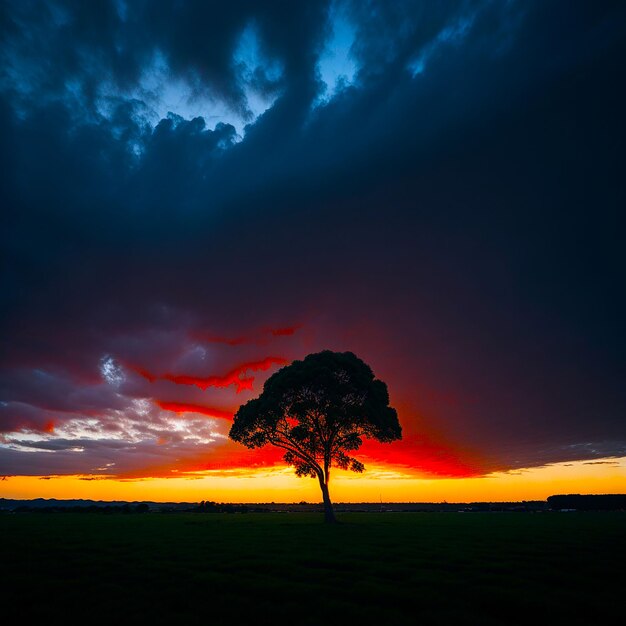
pixel 53 48
pixel 57 393
pixel 453 215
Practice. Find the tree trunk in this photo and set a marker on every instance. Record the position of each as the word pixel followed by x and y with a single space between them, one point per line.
pixel 329 513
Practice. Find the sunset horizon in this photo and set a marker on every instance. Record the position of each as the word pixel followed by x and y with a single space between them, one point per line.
pixel 381 484
pixel 197 197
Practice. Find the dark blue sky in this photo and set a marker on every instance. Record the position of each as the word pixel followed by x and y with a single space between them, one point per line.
pixel 438 187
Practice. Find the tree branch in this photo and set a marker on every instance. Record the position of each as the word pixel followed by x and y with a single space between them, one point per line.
pixel 297 451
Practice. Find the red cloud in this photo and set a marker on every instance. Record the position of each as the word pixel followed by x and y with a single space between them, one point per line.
pixel 258 337
pixel 183 407
pixel 229 341
pixel 147 375
pixel 284 332
pixel 236 376
pixel 18 416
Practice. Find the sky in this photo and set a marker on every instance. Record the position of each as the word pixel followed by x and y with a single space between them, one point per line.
pixel 195 194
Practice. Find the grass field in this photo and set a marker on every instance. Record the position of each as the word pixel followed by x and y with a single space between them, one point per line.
pixel 387 568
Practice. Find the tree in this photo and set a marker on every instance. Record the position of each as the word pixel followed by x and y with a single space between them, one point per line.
pixel 318 410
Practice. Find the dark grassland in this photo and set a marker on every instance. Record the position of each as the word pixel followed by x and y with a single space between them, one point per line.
pixel 387 568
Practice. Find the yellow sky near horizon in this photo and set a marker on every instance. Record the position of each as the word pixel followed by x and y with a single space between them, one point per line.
pixel 377 483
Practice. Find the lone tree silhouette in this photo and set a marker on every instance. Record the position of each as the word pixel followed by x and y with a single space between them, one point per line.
pixel 318 410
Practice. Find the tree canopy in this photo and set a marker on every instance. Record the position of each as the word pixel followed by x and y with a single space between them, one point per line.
pixel 319 410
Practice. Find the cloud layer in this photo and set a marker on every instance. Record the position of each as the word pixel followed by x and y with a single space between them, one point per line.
pixel 451 211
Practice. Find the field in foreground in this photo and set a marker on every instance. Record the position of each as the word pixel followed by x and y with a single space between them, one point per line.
pixel 388 568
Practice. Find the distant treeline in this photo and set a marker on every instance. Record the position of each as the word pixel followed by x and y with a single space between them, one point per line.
pixel 104 509
pixel 569 502
pixel 211 507
pixel 609 502
pixel 92 508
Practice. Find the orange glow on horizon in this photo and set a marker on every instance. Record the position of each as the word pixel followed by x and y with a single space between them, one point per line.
pixel 280 484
